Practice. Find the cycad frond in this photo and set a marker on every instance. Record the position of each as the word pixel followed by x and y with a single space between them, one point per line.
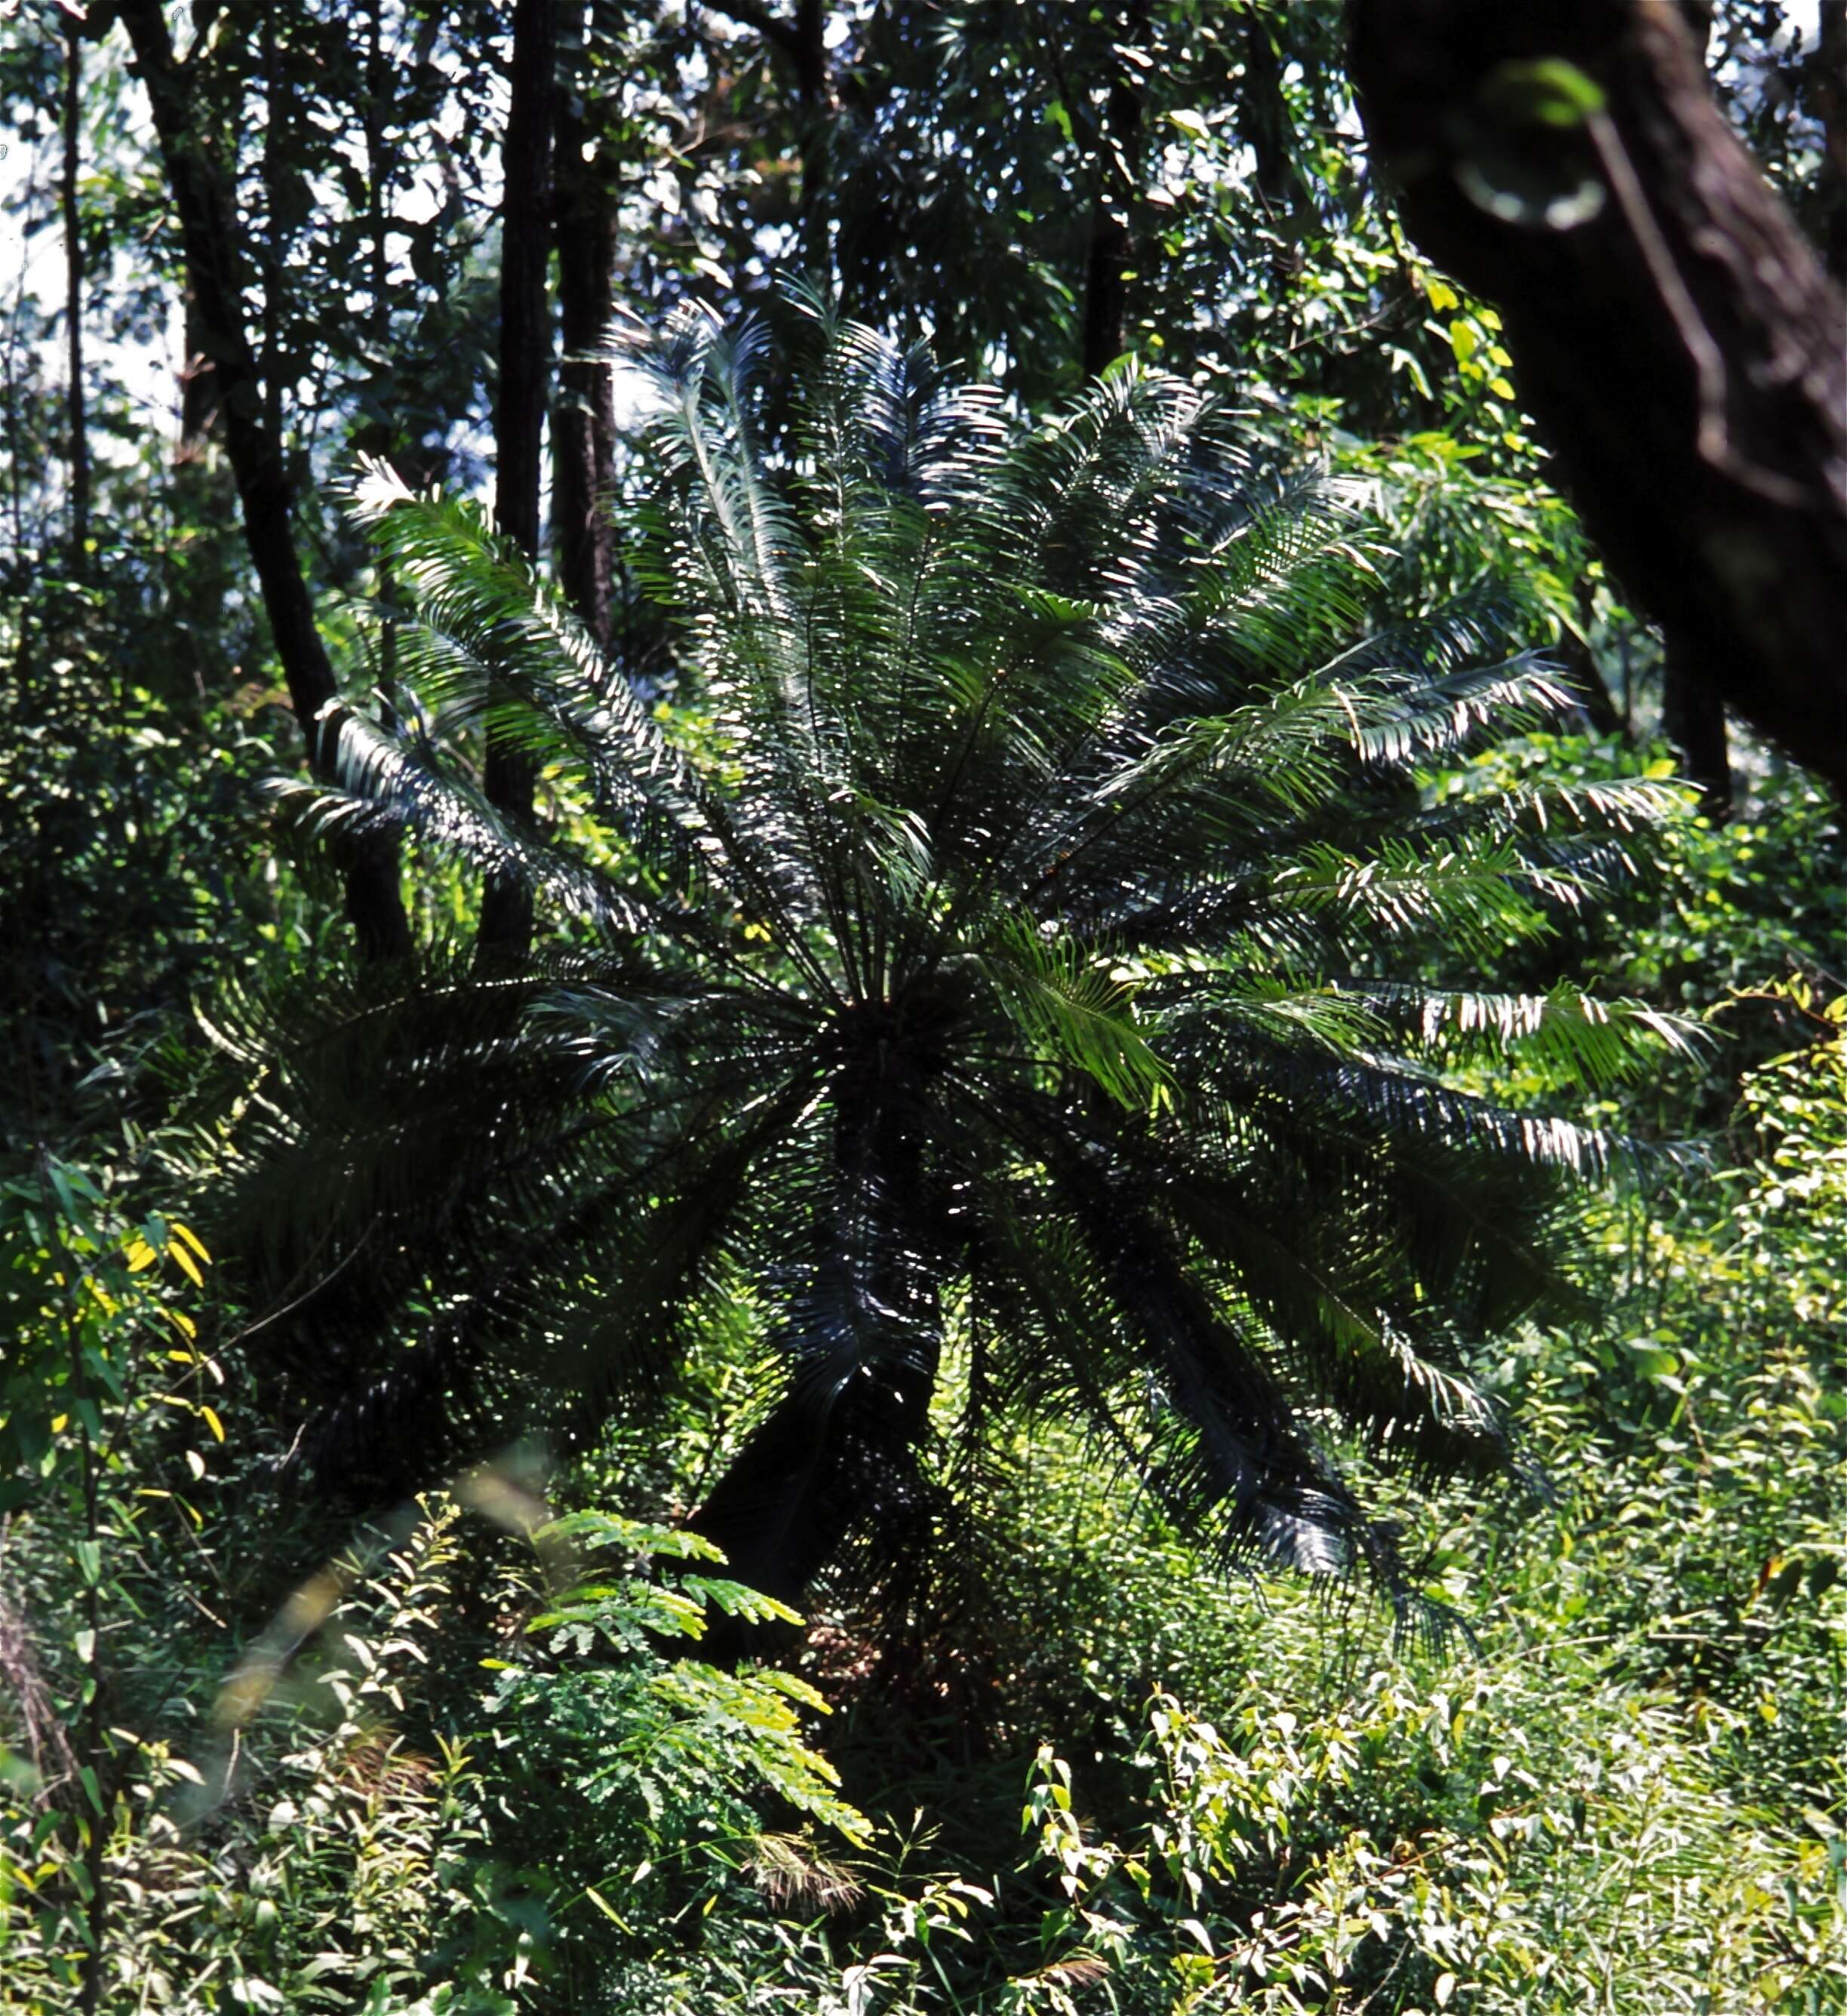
pixel 1028 909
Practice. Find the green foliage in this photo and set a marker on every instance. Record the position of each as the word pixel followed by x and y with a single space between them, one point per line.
pixel 349 1824
pixel 651 1775
pixel 1266 897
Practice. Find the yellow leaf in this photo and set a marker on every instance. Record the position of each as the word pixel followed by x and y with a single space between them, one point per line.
pixel 187 1266
pixel 192 1239
pixel 60 1423
pixel 212 1422
pixel 1501 389
pixel 606 1907
pixel 182 1323
pixel 1441 294
pixel 141 1255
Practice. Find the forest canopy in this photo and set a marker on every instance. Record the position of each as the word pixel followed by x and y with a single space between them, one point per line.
pixel 926 938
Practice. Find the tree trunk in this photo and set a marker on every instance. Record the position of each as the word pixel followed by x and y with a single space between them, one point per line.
pixel 1672 330
pixel 1266 123
pixel 207 231
pixel 841 1450
pixel 380 437
pixel 73 298
pixel 814 88
pixel 584 422
pixel 274 248
pixel 1583 673
pixel 1693 718
pixel 1827 96
pixel 519 405
pixel 802 40
pixel 1111 256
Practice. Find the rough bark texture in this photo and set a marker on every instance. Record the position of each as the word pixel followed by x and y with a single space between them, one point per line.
pixel 1679 340
pixel 519 405
pixel 208 233
pixel 584 426
pixel 1112 255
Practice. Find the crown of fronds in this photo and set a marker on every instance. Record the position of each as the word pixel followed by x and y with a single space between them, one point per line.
pixel 1028 911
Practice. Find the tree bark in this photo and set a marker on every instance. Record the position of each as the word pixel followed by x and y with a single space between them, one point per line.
pixel 584 421
pixel 519 405
pixel 1827 96
pixel 73 297
pixel 1672 331
pixel 1266 122
pixel 1111 255
pixel 1693 718
pixel 207 229
pixel 1585 676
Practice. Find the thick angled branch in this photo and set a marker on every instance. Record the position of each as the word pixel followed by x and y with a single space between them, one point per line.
pixel 1672 330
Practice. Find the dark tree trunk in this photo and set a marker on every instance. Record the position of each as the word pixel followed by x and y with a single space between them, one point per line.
pixel 207 230
pixel 841 1450
pixel 198 385
pixel 204 499
pixel 274 252
pixel 381 438
pixel 1693 718
pixel 1672 330
pixel 802 40
pixel 73 297
pixel 1112 255
pixel 814 88
pixel 584 425
pixel 1585 676
pixel 520 406
pixel 1266 122
pixel 1827 95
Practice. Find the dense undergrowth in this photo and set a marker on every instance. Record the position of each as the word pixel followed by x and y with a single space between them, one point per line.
pixel 467 1758
pixel 462 1755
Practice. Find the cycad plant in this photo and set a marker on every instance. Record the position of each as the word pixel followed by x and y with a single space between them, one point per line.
pixel 1024 926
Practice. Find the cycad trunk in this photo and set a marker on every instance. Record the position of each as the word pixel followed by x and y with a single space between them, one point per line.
pixel 841 1447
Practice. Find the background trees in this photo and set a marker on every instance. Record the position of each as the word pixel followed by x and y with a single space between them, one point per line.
pixel 251 1756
